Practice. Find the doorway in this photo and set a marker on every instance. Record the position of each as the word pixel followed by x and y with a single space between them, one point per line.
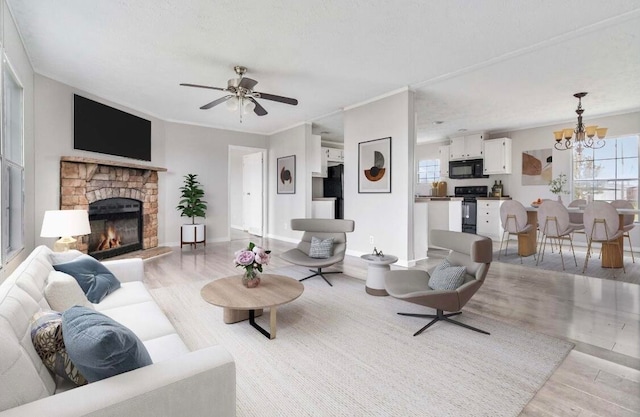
pixel 247 174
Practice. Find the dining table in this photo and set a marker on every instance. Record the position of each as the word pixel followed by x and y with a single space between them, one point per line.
pixel 612 253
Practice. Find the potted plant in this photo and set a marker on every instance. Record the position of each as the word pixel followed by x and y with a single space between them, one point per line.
pixel 192 205
pixel 557 186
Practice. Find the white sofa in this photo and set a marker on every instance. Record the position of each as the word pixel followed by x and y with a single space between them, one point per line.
pixel 178 383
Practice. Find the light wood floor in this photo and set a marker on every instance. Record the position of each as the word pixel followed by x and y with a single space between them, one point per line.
pixel 600 377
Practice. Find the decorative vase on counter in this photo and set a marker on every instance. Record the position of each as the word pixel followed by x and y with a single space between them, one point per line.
pixel 251 278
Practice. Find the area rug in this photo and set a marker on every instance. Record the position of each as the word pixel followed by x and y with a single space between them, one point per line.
pixel 342 352
pixel 552 262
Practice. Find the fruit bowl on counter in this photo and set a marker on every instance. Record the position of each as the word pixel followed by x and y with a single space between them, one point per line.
pixel 536 203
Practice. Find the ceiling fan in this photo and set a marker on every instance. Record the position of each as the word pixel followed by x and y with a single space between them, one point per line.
pixel 242 94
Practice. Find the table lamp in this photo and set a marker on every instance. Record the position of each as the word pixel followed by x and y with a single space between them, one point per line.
pixel 65 224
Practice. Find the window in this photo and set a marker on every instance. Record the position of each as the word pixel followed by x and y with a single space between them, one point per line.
pixel 12 164
pixel 428 170
pixel 609 173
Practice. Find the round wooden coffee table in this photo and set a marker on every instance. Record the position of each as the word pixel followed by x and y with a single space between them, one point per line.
pixel 242 303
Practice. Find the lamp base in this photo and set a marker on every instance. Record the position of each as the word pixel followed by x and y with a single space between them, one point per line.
pixel 64 244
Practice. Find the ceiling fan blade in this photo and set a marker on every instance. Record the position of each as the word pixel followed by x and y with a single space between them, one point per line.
pixel 280 99
pixel 203 86
pixel 259 110
pixel 216 102
pixel 247 83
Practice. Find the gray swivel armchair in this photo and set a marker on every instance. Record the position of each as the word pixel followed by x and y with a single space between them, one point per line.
pixel 472 251
pixel 322 229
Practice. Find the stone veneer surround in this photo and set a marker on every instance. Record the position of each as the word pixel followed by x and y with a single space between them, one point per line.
pixel 86 180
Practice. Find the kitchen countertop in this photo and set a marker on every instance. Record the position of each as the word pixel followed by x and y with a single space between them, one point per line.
pixel 426 199
pixel 323 199
pixel 506 197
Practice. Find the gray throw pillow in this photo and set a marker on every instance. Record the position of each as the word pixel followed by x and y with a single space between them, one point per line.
pixel 94 278
pixel 447 277
pixel 321 248
pixel 99 346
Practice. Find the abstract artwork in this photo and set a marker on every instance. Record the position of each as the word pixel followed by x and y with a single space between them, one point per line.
pixel 287 175
pixel 537 167
pixel 374 166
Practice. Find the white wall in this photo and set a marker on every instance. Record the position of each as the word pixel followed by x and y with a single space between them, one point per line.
pixel 203 151
pixel 284 207
pixel 388 217
pixel 21 65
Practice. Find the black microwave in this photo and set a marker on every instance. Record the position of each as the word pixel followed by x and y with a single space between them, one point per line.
pixel 471 168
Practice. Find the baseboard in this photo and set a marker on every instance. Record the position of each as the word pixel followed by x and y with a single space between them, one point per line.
pixel 283 238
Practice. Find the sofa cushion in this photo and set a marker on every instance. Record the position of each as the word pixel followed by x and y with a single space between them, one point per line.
pixel 99 346
pixel 63 291
pixel 146 319
pixel 46 334
pixel 128 294
pixel 166 347
pixel 63 257
pixel 321 248
pixel 94 278
pixel 447 277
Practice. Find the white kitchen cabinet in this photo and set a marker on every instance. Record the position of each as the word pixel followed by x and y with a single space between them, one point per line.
pixel 488 219
pixel 314 155
pixel 445 215
pixel 466 147
pixel 443 155
pixel 323 208
pixel 335 154
pixel 497 156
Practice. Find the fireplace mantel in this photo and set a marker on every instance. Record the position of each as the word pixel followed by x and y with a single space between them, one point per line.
pixel 120 164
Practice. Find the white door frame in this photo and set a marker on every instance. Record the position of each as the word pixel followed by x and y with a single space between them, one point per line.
pixel 248 149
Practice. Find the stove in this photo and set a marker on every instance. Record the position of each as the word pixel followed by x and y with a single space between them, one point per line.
pixel 470 205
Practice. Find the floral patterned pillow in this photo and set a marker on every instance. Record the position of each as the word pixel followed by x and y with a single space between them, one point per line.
pixel 46 335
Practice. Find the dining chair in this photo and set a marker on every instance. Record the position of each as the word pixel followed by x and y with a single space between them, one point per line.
pixel 553 220
pixel 601 225
pixel 628 221
pixel 513 216
pixel 576 219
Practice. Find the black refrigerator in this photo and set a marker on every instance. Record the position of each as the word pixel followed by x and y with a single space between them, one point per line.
pixel 333 187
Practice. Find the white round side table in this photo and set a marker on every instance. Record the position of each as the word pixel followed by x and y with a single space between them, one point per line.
pixel 377 267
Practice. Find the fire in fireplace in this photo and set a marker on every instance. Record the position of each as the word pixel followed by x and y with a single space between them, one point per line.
pixel 116 227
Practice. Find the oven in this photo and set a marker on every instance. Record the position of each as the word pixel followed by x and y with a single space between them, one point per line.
pixel 470 205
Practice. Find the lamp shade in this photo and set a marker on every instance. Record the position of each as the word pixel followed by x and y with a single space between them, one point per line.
pixel 59 223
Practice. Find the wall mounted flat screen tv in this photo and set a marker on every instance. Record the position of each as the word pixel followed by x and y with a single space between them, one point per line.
pixel 103 129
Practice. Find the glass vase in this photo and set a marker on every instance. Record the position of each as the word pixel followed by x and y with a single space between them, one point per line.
pixel 251 278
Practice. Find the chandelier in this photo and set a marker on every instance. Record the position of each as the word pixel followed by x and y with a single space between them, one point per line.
pixel 582 136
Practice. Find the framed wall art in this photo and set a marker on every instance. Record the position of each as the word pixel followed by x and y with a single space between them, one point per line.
pixel 537 167
pixel 286 175
pixel 374 166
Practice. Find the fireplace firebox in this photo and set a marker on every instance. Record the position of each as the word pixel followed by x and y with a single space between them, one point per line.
pixel 116 227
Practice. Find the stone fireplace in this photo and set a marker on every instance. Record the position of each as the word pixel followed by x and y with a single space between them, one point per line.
pixel 122 201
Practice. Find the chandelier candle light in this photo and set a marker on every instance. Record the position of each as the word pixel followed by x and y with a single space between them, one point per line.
pixel 252 259
pixel 583 134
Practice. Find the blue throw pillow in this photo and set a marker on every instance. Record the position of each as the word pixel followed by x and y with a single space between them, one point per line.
pixel 94 278
pixel 99 346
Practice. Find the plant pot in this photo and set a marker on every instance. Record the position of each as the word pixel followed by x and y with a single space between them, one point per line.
pixel 193 234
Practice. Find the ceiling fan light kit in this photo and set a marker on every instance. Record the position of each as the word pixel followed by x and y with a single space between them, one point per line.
pixel 584 135
pixel 242 96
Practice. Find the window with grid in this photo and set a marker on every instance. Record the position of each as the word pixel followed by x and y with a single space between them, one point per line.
pixel 12 164
pixel 609 173
pixel 428 170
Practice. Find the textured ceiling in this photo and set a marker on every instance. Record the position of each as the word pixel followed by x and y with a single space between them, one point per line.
pixel 477 65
